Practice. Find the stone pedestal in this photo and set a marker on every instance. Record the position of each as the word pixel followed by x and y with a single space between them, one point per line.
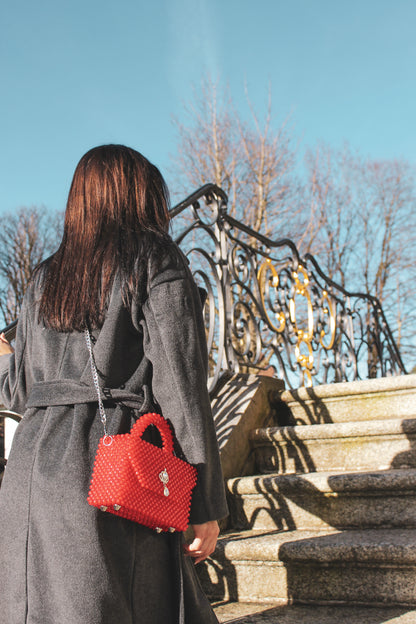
pixel 242 403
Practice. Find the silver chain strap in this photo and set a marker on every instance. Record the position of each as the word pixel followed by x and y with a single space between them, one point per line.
pixel 103 416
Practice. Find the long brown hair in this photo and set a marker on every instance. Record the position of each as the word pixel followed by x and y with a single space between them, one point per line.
pixel 117 203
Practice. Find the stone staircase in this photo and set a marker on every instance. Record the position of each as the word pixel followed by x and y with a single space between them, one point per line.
pixel 328 515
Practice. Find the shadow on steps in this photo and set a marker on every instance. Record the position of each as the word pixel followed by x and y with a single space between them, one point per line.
pixel 237 613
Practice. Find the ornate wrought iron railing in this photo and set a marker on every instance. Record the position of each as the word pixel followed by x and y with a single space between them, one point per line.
pixel 269 310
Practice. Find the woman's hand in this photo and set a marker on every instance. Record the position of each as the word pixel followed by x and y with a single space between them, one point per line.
pixel 5 347
pixel 204 541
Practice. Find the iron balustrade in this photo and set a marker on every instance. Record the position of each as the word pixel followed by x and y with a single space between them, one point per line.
pixel 271 311
pixel 268 310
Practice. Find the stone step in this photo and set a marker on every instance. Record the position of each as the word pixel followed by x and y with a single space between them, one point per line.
pixel 372 567
pixel 369 399
pixel 378 499
pixel 348 446
pixel 253 613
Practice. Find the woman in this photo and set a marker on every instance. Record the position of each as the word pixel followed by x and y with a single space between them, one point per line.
pixel 118 273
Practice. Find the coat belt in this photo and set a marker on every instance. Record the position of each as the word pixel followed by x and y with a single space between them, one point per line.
pixel 72 392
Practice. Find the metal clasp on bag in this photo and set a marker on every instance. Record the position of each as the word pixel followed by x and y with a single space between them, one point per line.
pixel 164 477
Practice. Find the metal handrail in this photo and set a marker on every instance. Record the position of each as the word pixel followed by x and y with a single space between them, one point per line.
pixel 205 192
pixel 269 307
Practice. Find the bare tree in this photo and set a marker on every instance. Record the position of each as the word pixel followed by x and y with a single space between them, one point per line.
pixel 250 160
pixel 388 223
pixel 330 191
pixel 355 214
pixel 366 229
pixel 26 238
pixel 268 183
pixel 207 144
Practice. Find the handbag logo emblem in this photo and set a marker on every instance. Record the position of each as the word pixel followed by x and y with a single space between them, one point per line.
pixel 164 477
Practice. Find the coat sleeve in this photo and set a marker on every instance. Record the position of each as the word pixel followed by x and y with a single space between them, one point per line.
pixel 175 344
pixel 15 377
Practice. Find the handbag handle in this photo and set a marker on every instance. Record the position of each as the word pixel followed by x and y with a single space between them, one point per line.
pixel 161 425
pixel 141 425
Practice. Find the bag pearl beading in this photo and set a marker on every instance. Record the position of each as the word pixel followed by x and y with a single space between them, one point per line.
pixel 126 479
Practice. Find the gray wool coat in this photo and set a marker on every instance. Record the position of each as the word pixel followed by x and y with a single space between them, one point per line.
pixel 63 561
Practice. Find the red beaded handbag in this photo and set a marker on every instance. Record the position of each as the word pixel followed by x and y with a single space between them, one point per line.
pixel 137 480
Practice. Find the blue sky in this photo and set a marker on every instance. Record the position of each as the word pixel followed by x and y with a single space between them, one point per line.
pixel 86 72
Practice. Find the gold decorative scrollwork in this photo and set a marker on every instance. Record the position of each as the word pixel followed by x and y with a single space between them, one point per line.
pixel 302 289
pixel 301 314
pixel 304 338
pixel 328 309
pixel 305 360
pixel 265 281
